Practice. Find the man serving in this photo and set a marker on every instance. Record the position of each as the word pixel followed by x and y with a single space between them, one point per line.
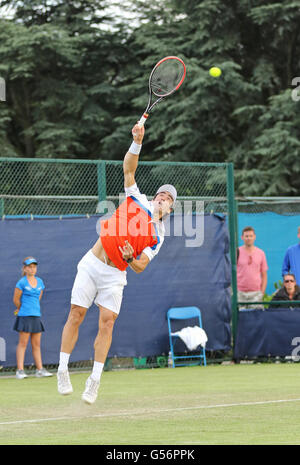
pixel 131 237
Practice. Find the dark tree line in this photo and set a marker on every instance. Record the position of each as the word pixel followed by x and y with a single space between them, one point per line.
pixel 76 80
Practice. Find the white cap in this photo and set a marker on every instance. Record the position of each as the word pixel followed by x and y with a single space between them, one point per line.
pixel 170 189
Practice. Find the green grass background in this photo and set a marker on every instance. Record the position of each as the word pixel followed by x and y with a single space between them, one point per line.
pixel 157 407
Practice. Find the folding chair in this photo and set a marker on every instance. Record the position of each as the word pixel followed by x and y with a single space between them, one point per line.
pixel 184 313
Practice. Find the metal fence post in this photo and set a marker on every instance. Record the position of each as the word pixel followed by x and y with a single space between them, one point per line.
pixel 101 179
pixel 232 224
pixel 1 207
pixel 2 90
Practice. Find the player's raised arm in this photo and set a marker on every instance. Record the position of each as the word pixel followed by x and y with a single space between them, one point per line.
pixel 132 156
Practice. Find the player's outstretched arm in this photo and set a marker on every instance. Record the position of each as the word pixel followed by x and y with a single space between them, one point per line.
pixel 131 158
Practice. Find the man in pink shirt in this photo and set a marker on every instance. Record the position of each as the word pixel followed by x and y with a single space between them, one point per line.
pixel 251 270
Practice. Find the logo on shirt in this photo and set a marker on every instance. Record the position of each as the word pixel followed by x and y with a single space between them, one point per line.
pixel 28 288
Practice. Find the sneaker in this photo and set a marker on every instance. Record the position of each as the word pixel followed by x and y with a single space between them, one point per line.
pixel 64 385
pixel 91 390
pixel 42 373
pixel 20 374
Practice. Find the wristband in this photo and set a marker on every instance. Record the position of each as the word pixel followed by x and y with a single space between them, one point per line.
pixel 129 260
pixel 135 148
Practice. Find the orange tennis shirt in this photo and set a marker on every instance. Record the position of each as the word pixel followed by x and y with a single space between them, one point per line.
pixel 132 221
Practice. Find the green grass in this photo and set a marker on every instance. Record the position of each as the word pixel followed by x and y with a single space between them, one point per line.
pixel 164 406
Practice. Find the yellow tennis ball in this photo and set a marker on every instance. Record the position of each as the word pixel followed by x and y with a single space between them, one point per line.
pixel 215 71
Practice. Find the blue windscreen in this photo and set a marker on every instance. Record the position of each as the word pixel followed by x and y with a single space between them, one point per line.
pixel 179 275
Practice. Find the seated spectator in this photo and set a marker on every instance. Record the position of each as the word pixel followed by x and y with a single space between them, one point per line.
pixel 289 291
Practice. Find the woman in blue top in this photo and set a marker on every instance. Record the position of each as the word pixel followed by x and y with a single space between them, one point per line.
pixel 28 293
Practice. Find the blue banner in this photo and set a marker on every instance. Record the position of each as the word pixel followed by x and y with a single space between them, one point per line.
pixel 270 332
pixel 178 276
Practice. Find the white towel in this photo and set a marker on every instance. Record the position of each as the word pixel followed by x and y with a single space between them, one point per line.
pixel 192 336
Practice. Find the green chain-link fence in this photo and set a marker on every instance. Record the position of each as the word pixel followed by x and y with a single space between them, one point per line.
pixel 49 187
pixel 280 205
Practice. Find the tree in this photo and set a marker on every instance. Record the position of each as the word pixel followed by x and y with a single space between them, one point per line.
pixel 60 69
pixel 75 89
pixel 196 124
pixel 266 160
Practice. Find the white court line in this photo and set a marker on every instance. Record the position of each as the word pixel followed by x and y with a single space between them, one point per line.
pixel 149 412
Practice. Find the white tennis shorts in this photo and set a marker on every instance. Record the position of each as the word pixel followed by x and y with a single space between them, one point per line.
pixel 99 283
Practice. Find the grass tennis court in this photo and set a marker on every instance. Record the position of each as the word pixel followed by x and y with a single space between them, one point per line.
pixel 217 404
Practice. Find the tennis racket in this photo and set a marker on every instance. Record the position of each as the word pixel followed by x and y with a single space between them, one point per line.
pixel 165 78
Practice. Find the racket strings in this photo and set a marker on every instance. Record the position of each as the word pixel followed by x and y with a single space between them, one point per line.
pixel 166 77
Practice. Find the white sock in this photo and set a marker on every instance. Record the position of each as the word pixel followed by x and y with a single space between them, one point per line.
pixel 97 371
pixel 63 361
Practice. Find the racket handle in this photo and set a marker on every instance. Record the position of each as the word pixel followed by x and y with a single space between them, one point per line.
pixel 143 119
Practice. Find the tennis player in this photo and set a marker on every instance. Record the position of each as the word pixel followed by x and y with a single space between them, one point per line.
pixel 131 237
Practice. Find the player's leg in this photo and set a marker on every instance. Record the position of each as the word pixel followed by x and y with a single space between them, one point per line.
pixel 69 338
pixel 102 345
pixel 20 353
pixel 83 294
pixel 110 283
pixel 71 328
pixel 103 339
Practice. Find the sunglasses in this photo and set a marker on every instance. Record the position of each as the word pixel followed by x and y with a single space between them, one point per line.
pixel 289 281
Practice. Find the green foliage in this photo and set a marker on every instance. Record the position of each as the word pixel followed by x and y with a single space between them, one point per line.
pixel 278 285
pixel 77 75
pixel 268 297
pixel 60 79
